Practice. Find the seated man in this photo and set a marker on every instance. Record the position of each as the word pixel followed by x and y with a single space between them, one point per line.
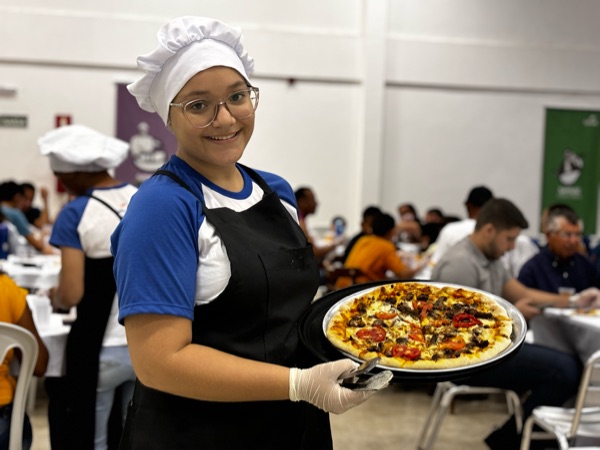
pixel 523 249
pixel 559 267
pixel 376 254
pixel 307 205
pixel 551 377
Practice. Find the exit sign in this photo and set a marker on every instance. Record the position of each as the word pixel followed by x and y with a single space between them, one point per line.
pixel 13 121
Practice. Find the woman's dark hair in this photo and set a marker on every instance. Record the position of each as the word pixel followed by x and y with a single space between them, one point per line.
pixel 9 189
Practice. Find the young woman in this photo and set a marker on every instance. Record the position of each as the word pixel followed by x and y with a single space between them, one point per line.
pixel 213 271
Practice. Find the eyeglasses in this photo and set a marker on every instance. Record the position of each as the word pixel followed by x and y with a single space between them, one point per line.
pixel 568 234
pixel 201 113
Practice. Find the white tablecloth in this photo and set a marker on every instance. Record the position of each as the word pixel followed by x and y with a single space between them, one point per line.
pixel 568 330
pixel 55 338
pixel 53 332
pixel 34 272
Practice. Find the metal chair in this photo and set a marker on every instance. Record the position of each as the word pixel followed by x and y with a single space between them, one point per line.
pixel 13 336
pixel 443 397
pixel 566 424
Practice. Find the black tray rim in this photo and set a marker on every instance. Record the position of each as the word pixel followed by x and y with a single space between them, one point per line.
pixel 313 337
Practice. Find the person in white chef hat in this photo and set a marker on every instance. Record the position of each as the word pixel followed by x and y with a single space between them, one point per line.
pixel 98 368
pixel 213 270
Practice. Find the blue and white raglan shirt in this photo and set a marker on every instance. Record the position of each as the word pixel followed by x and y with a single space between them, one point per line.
pixel 86 224
pixel 168 258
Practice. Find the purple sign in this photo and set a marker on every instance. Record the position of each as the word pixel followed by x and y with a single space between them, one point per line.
pixel 150 142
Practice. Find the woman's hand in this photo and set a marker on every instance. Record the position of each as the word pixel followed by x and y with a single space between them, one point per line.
pixel 319 386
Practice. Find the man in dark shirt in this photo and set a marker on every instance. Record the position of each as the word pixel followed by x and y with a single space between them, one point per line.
pixel 559 267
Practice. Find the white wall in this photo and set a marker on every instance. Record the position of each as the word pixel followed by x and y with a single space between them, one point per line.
pixel 405 100
pixel 468 84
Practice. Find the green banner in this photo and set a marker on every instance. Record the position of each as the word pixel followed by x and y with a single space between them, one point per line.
pixel 570 162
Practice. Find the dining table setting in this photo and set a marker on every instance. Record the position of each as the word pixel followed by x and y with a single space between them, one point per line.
pixel 39 274
pixel 34 273
pixel 572 330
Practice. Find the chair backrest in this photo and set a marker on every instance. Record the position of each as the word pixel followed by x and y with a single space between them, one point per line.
pixel 13 336
pixel 332 274
pixel 588 388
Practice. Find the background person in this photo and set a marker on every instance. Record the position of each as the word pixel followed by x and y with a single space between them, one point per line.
pixel 211 290
pixel 306 202
pixel 366 227
pixel 11 203
pixel 434 215
pixel 559 266
pixel 409 225
pixel 14 309
pixel 36 216
pixel 97 359
pixel 376 254
pixel 549 377
pixel 453 232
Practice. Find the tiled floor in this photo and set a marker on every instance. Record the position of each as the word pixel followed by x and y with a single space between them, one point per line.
pixel 392 419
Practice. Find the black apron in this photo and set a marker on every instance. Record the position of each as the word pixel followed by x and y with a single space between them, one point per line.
pixel 274 277
pixel 82 354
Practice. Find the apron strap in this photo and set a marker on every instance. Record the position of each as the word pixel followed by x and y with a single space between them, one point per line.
pixel 177 179
pixel 104 203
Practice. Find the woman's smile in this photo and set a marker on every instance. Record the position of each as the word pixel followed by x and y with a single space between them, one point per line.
pixel 223 137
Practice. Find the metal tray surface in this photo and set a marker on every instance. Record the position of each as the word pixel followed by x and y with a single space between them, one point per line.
pixel 313 327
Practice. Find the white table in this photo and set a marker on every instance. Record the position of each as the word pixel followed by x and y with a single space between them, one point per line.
pixel 39 272
pixel 55 339
pixel 567 330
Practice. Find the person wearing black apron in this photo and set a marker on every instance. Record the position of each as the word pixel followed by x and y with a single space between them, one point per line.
pixel 211 289
pixel 97 364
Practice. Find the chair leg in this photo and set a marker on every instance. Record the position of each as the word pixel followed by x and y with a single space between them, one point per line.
pixel 514 407
pixel 445 403
pixel 440 389
pixel 526 436
pixel 563 443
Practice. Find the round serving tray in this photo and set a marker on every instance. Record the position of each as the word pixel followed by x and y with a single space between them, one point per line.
pixel 314 322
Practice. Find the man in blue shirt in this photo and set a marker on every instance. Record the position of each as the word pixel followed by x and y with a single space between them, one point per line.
pixel 559 267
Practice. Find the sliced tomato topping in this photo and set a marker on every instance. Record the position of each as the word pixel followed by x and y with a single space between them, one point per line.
pixel 417 336
pixel 426 307
pixel 374 334
pixel 402 351
pixel 454 344
pixel 385 315
pixel 465 320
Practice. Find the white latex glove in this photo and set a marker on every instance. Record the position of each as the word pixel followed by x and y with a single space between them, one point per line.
pixel 319 386
pixel 588 298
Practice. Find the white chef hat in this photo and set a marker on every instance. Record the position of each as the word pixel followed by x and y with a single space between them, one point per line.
pixel 186 46
pixel 77 148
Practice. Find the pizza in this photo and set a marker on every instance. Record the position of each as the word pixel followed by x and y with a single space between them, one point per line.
pixel 420 326
pixel 586 312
